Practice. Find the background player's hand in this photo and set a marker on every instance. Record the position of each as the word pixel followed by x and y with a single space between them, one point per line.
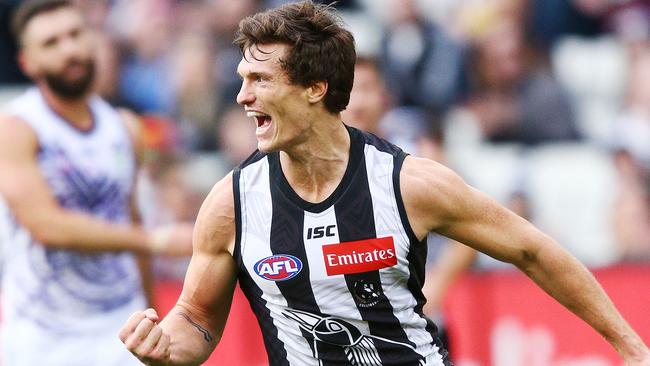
pixel 173 240
pixel 143 337
pixel 645 362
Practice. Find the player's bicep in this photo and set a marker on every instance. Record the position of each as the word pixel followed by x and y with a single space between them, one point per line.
pixel 212 273
pixel 483 224
pixel 21 183
pixel 437 199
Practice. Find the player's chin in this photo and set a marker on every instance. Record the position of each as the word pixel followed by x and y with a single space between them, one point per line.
pixel 266 146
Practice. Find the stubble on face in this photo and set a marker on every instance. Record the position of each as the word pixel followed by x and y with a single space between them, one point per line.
pixel 71 87
pixel 58 51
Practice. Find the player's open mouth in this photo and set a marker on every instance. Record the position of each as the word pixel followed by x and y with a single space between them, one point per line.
pixel 263 120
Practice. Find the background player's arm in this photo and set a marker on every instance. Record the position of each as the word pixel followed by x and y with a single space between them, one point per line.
pixel 453 262
pixel 192 329
pixel 438 200
pixel 32 203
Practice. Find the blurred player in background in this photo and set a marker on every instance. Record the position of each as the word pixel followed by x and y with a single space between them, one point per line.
pixel 75 255
pixel 324 226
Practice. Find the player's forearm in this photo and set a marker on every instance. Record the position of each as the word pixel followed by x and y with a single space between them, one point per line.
pixel 78 231
pixel 567 280
pixel 192 338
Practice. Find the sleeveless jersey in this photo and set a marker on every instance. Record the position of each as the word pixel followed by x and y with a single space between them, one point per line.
pixel 337 282
pixel 63 292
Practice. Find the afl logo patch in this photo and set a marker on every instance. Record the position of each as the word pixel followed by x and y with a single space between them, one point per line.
pixel 279 267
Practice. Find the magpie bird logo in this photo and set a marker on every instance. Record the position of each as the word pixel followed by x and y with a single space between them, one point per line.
pixel 359 348
pixel 367 294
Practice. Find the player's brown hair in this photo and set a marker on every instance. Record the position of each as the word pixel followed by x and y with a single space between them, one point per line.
pixel 320 49
pixel 28 9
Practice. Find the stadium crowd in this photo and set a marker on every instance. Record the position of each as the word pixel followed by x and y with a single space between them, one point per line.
pixel 544 105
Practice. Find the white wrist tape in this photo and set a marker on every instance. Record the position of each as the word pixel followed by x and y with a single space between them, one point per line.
pixel 160 239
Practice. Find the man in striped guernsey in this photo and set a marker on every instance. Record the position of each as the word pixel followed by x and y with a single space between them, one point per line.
pixel 324 225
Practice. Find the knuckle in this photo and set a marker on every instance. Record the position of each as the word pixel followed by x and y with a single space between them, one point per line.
pixel 131 344
pixel 156 354
pixel 144 328
pixel 146 350
pixel 134 316
pixel 123 334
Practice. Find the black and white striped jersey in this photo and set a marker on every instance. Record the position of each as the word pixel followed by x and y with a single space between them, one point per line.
pixel 337 282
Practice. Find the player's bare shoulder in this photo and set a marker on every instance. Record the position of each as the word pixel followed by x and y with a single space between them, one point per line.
pixel 432 193
pixel 16 134
pixel 133 125
pixel 214 231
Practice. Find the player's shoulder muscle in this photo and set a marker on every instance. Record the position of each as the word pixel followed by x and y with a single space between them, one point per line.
pixel 215 225
pixel 16 137
pixel 432 193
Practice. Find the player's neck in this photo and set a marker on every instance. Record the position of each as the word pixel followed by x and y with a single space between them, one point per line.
pixel 315 168
pixel 74 111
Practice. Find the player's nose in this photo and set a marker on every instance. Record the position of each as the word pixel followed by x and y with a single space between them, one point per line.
pixel 245 95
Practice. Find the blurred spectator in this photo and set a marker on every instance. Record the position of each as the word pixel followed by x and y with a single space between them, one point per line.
pixel 513 95
pixel 175 191
pixel 630 140
pixel 553 19
pixel 224 16
pixel 107 61
pixel 631 132
pixel 631 212
pixel 196 94
pixel 423 64
pixel 160 136
pixel 630 22
pixel 146 78
pixel 369 99
pixel 95 11
pixel 236 136
pixel 369 109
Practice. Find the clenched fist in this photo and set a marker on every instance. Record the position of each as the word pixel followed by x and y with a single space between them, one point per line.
pixel 145 338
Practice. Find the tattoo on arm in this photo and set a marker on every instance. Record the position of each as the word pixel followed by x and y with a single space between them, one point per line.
pixel 206 334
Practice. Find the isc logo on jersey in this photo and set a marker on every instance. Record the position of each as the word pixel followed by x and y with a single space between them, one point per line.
pixel 279 267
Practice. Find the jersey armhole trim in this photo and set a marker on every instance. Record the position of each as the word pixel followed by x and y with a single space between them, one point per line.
pixel 398 160
pixel 238 215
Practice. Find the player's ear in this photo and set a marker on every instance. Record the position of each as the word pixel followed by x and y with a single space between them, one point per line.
pixel 24 64
pixel 316 92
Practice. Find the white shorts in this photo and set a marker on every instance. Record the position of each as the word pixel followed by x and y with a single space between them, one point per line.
pixel 27 345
